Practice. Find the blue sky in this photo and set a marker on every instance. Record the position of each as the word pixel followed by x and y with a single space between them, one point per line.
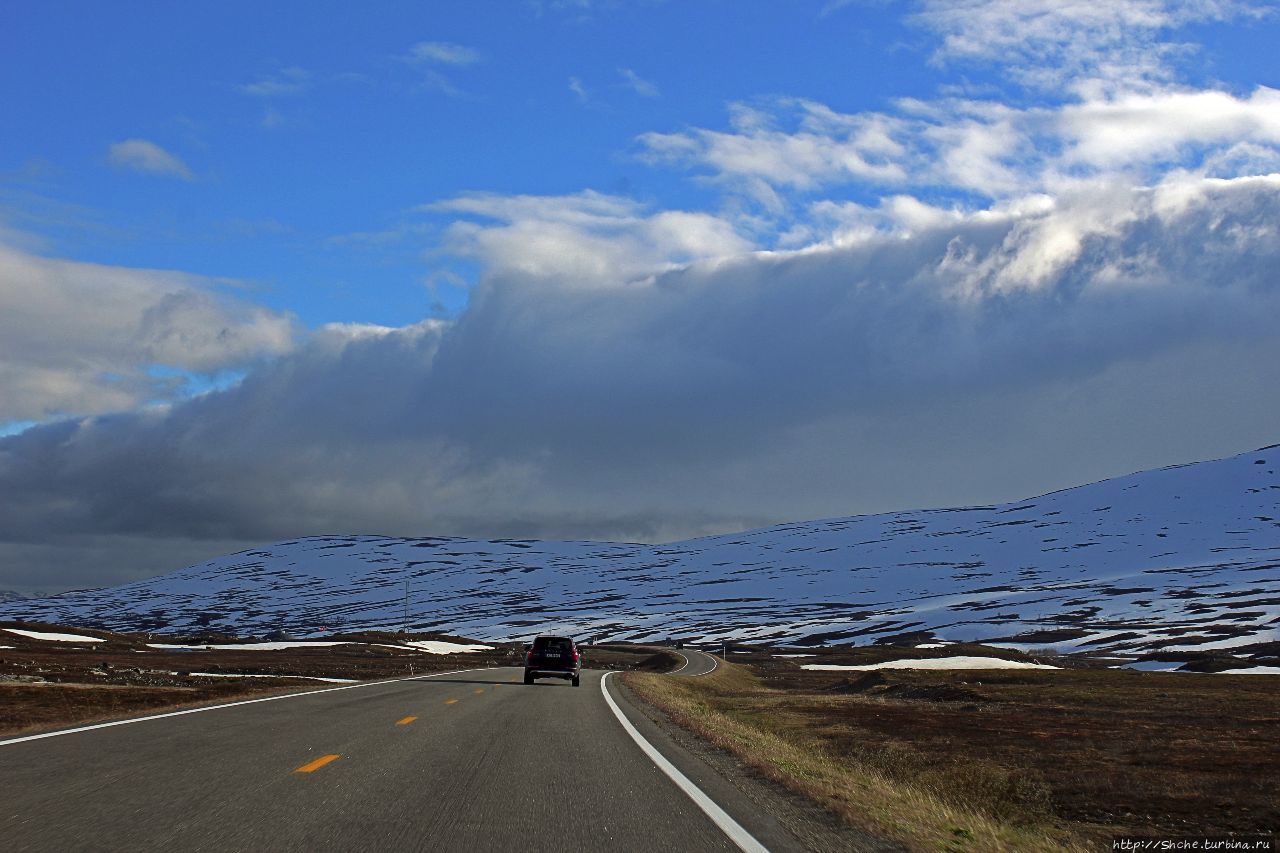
pixel 629 269
pixel 305 125
pixel 308 136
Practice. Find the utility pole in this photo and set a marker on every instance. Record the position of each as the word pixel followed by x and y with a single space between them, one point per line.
pixel 406 607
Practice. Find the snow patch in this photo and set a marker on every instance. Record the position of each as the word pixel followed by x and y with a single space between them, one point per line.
pixel 253 647
pixel 1252 670
pixel 435 647
pixel 1152 665
pixel 54 637
pixel 440 647
pixel 957 662
pixel 1218 645
pixel 261 675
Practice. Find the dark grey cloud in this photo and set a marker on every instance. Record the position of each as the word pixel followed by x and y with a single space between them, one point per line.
pixel 983 358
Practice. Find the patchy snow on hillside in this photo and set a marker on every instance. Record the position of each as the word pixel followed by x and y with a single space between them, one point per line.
pixel 273 646
pixel 1185 557
pixel 1251 670
pixel 435 647
pixel 955 662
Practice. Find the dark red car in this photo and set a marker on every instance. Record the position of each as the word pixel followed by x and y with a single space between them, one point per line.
pixel 557 657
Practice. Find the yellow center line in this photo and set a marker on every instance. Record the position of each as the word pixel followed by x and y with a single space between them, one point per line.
pixel 451 701
pixel 479 690
pixel 406 721
pixel 313 766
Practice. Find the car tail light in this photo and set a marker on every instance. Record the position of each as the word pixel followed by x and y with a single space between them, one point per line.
pixel 575 655
pixel 528 656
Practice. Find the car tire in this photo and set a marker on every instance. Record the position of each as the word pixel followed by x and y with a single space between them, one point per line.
pixel 528 679
pixel 575 681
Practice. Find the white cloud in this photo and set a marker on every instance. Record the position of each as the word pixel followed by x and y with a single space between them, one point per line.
pixel 1165 126
pixel 428 56
pixel 78 338
pixel 444 53
pixel 1049 44
pixel 638 84
pixel 434 80
pixel 272 119
pixel 833 6
pixel 586 238
pixel 288 81
pixel 959 146
pixel 579 90
pixel 142 155
pixel 761 159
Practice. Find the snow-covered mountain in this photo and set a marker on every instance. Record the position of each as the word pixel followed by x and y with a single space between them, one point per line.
pixel 1181 558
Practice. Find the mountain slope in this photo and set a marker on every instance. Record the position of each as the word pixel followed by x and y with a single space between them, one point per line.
pixel 1186 557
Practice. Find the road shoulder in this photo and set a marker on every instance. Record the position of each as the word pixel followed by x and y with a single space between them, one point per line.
pixel 779 819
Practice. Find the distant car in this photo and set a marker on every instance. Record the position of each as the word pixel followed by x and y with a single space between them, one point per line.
pixel 557 657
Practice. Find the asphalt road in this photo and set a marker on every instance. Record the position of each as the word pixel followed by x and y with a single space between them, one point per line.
pixel 696 662
pixel 468 761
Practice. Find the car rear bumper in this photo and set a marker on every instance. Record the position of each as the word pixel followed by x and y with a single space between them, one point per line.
pixel 557 673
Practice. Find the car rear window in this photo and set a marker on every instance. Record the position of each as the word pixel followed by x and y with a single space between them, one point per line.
pixel 560 643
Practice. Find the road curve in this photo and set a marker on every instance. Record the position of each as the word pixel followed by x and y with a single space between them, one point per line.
pixel 696 662
pixel 470 761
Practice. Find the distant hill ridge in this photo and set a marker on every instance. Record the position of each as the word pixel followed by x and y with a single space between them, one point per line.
pixel 1185 557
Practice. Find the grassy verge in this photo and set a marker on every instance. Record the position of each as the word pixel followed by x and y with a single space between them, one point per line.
pixel 897 794
pixel 30 709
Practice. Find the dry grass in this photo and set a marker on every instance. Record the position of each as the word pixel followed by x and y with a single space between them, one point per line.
pixel 31 708
pixel 1081 755
pixel 1121 752
pixel 898 794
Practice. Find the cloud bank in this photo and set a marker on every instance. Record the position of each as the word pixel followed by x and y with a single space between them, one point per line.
pixel 1053 344
pixel 947 301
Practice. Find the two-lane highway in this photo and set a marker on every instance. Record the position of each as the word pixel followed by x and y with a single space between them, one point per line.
pixel 474 760
pixel 696 663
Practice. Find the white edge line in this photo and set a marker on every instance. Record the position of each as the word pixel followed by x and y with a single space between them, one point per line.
pixel 686 663
pixel 26 738
pixel 730 827
pixel 715 662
